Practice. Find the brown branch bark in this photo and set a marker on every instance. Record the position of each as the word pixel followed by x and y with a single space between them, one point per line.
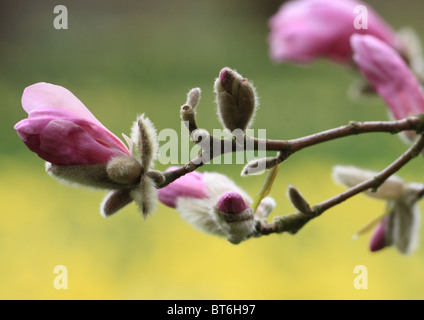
pixel 285 148
pixel 292 223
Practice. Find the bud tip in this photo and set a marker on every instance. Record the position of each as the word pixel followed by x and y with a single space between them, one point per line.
pixel 232 202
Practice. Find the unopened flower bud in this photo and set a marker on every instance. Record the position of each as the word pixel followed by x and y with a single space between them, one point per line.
pixel 188 110
pixel 254 167
pixel 232 202
pixel 235 217
pixel 298 201
pixel 258 166
pixel 125 170
pixel 212 203
pixel 236 100
pixel 193 97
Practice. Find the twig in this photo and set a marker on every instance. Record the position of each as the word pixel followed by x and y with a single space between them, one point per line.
pixel 285 148
pixel 294 222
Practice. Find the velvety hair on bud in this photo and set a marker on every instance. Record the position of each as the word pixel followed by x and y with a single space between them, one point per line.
pixel 236 100
pixel 115 201
pixel 193 97
pixel 144 137
pixel 124 169
pixel 145 196
pixel 258 166
pixel 234 217
pixel 298 201
pixel 254 167
pixel 89 175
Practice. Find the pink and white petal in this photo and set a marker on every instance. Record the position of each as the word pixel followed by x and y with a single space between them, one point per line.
pixel 43 94
pixel 51 98
pixel 191 185
pixel 38 119
pixel 232 202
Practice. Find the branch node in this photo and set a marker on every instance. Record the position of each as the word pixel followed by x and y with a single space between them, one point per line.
pixel 355 127
pixel 420 125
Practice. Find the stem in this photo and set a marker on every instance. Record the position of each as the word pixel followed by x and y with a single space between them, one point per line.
pixel 415 123
pixel 285 147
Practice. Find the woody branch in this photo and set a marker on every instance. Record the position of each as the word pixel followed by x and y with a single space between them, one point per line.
pixel 285 148
pixel 294 222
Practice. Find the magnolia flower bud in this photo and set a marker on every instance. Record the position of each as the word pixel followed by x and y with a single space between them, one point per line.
pixel 232 202
pixel 254 167
pixel 80 150
pixel 193 97
pixel 236 100
pixel 235 217
pixel 298 201
pixel 62 131
pixel 258 166
pixel 212 203
pixel 188 111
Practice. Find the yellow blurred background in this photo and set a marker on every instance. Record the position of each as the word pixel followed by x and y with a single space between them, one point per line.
pixel 122 59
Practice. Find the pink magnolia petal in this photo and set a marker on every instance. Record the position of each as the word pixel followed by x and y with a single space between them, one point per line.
pixel 76 145
pixel 378 241
pixel 43 94
pixel 232 202
pixel 190 185
pixel 48 96
pixel 63 138
pixel 40 118
pixel 388 73
pixel 303 30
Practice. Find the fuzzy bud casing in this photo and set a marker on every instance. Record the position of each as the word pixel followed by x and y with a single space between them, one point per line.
pixel 298 201
pixel 236 100
pixel 125 170
pixel 89 175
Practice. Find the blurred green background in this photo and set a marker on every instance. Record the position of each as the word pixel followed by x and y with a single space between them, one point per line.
pixel 126 58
